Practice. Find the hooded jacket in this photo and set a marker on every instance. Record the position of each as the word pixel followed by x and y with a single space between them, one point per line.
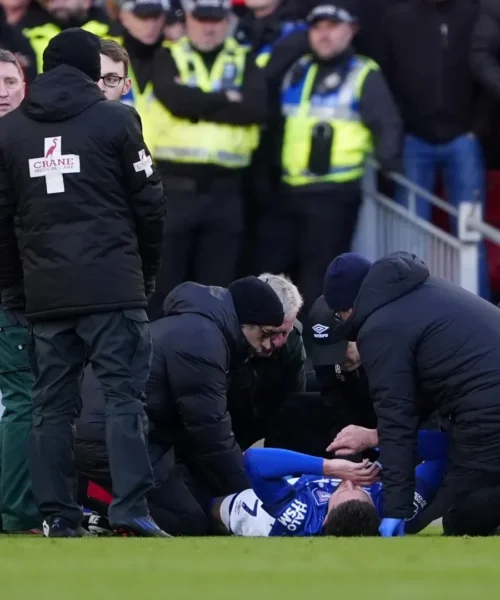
pixel 421 336
pixel 75 169
pixel 194 346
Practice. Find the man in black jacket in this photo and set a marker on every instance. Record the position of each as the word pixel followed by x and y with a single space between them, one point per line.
pixel 206 332
pixel 423 339
pixel 76 171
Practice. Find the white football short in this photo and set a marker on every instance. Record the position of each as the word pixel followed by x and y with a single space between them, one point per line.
pixel 243 515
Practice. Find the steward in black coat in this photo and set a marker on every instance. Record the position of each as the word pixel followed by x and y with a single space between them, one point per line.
pixel 194 346
pixel 422 337
pixel 91 210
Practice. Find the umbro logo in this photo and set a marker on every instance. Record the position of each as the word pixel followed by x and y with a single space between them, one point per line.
pixel 319 331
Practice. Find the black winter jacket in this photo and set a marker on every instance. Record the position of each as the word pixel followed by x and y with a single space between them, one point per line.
pixel 485 48
pixel 92 236
pixel 424 54
pixel 421 336
pixel 194 346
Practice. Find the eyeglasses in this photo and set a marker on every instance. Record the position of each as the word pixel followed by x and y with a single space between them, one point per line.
pixel 112 81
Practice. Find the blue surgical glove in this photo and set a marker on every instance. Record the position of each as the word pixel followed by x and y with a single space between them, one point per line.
pixel 392 528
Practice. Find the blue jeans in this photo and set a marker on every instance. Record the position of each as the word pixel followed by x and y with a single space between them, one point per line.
pixel 461 162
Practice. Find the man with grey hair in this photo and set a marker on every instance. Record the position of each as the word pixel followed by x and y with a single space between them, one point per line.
pixel 259 388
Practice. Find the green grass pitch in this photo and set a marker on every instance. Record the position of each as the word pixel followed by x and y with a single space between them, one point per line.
pixel 424 567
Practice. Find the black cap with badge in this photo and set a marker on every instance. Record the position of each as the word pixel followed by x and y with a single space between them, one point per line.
pixel 208 10
pixel 338 12
pixel 146 8
pixel 328 348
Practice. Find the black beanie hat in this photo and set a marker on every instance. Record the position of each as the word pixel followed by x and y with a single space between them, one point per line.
pixel 76 48
pixel 256 302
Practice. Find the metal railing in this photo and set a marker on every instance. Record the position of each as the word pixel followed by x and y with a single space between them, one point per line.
pixel 385 227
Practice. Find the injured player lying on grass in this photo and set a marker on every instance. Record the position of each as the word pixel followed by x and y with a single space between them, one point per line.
pixel 332 497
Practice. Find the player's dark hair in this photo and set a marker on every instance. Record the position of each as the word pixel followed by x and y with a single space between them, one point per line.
pixel 353 518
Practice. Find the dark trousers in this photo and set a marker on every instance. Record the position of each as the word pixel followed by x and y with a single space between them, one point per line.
pixel 171 502
pixel 203 239
pixel 305 232
pixel 118 345
pixel 471 502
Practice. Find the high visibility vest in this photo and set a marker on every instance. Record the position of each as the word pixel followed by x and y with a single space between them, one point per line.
pixel 40 36
pixel 180 140
pixel 141 101
pixel 302 110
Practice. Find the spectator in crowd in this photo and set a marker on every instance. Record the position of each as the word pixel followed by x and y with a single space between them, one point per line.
pixel 114 82
pixel 335 108
pixel 175 24
pixel 485 47
pixel 140 30
pixel 91 214
pixel 423 337
pixel 265 23
pixel 206 331
pixel 18 512
pixel 14 41
pixel 213 99
pixel 441 109
pixel 24 13
pixel 61 15
pixel 261 386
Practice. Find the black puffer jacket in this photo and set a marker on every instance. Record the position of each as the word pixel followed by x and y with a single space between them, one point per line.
pixel 91 235
pixel 421 336
pixel 194 346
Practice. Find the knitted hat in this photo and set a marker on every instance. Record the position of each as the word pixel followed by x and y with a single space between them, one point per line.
pixel 343 280
pixel 76 48
pixel 256 302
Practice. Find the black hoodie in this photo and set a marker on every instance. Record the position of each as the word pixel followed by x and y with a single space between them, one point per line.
pixel 92 235
pixel 194 346
pixel 421 336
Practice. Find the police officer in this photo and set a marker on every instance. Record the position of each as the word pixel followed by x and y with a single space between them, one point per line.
pixel 63 14
pixel 75 168
pixel 140 31
pixel 336 108
pixel 212 98
pixel 18 512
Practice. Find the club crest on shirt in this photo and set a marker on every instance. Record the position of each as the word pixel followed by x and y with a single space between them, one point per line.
pixel 321 496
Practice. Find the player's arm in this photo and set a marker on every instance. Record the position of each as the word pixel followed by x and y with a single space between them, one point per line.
pixel 267 469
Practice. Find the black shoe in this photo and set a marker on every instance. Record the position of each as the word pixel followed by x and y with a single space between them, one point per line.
pixel 96 524
pixel 60 528
pixel 140 527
